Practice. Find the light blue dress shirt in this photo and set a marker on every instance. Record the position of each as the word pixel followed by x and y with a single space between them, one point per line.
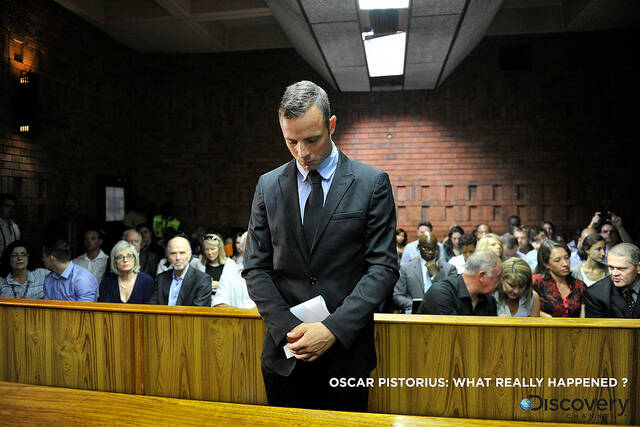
pixel 327 170
pixel 74 284
pixel 176 285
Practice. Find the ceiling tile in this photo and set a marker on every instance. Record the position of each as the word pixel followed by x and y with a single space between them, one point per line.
pixel 430 38
pixel 341 43
pixel 330 10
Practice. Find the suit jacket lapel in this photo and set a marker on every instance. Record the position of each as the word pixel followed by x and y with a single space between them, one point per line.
pixel 288 183
pixel 342 180
pixel 417 271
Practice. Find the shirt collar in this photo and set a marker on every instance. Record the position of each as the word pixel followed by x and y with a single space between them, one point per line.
pixel 11 281
pixel 66 273
pixel 179 279
pixel 326 169
pixel 100 256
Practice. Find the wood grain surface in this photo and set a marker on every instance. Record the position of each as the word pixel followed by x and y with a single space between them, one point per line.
pixel 214 354
pixel 28 405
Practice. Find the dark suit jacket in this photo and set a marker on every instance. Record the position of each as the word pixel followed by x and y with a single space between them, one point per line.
pixel 195 290
pixel 602 299
pixel 149 263
pixel 352 261
pixel 411 285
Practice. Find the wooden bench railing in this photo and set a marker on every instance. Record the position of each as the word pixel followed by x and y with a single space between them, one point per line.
pixel 27 405
pixel 214 354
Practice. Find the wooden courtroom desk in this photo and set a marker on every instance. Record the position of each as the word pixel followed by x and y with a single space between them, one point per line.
pixel 214 354
pixel 28 405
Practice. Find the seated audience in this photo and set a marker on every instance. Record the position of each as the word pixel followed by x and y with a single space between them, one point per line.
pixel 148 260
pixel 67 281
pixel 513 223
pixel 593 269
pixel 490 242
pixel 561 295
pixel 213 258
pixel 17 279
pixel 480 230
pixel 182 284
pixel 93 259
pixel 148 243
pixel 616 296
pixel 9 230
pixel 164 221
pixel 576 259
pixel 411 249
pixel 537 236
pixel 467 247
pixel 417 276
pixel 515 297
pixel 468 293
pixel 549 229
pixel 611 229
pixel 401 242
pixel 127 284
pixel 522 234
pixel 452 244
pixel 232 290
pixel 510 247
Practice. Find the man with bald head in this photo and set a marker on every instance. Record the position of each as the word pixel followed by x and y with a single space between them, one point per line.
pixel 148 260
pixel 468 294
pixel 181 285
pixel 417 276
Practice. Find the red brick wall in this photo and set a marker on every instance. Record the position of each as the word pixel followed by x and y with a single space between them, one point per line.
pixel 551 142
pixel 85 116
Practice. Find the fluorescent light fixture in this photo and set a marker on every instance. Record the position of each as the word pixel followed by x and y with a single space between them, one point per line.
pixel 385 55
pixel 383 4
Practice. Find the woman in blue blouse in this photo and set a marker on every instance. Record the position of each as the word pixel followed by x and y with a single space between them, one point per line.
pixel 127 284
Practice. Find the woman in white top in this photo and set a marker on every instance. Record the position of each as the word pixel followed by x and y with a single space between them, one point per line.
pixel 232 290
pixel 515 297
pixel 593 269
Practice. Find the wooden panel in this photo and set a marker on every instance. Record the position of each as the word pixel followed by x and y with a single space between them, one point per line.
pixel 448 352
pixel 87 408
pixel 204 358
pixel 213 354
pixel 79 349
pixel 12 344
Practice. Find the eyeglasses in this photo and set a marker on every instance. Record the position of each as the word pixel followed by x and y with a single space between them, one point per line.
pixel 20 255
pixel 128 257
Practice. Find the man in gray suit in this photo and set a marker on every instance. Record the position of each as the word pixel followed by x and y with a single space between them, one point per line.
pixel 417 276
pixel 321 225
pixel 182 284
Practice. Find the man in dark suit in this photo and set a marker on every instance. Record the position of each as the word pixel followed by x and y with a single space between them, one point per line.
pixel 321 225
pixel 182 284
pixel 417 276
pixel 617 294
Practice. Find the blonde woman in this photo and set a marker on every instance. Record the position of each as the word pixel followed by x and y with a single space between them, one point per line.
pixel 490 242
pixel 515 297
pixel 213 258
pixel 127 284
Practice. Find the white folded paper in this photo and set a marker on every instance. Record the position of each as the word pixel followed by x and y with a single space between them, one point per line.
pixel 310 311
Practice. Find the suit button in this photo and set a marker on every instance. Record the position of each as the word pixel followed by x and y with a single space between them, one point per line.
pixel 313 281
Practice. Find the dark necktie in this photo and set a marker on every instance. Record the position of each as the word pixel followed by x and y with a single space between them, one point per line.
pixel 313 207
pixel 628 299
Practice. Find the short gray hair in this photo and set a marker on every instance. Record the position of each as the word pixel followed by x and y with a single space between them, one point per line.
pixel 131 230
pixel 481 261
pixel 627 250
pixel 300 96
pixel 123 245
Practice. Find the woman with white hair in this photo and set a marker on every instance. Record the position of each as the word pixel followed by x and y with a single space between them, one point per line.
pixel 127 284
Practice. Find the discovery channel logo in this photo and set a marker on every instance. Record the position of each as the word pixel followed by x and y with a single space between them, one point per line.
pixel 535 403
